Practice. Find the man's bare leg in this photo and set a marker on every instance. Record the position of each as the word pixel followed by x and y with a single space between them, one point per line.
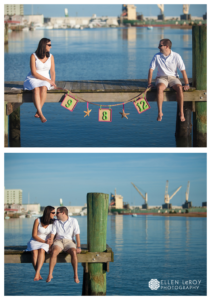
pixel 53 260
pixel 74 261
pixel 160 88
pixel 178 89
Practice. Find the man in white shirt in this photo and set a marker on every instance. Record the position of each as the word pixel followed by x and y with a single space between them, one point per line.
pixel 65 228
pixel 167 62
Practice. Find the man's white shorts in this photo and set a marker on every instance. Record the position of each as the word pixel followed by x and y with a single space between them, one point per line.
pixel 65 244
pixel 167 80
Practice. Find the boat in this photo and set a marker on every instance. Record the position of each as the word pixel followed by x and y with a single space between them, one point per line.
pixel 25 28
pixel 38 26
pixel 7 218
pixel 134 215
pixel 22 216
pixel 149 27
pixel 173 23
pixel 97 22
pixel 34 214
pixel 157 211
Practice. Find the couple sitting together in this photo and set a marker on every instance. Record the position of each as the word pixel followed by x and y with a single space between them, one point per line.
pixel 54 235
pixel 167 62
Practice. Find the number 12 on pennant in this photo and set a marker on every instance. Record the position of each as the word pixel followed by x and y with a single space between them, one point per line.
pixel 141 105
pixel 105 115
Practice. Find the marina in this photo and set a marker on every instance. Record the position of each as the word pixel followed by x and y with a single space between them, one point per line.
pixel 180 238
pixel 124 84
pixel 180 248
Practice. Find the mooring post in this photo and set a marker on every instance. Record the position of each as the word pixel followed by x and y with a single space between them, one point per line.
pixel 183 129
pixel 5 33
pixel 199 77
pixel 5 125
pixel 97 212
pixel 14 128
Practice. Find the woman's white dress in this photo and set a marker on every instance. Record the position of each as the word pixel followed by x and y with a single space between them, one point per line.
pixel 43 69
pixel 44 234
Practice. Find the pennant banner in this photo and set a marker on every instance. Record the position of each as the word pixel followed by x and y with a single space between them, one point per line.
pixel 105 115
pixel 69 102
pixel 141 104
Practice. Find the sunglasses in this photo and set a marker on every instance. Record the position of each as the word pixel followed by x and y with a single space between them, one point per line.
pixel 53 212
pixel 58 212
pixel 49 45
pixel 160 46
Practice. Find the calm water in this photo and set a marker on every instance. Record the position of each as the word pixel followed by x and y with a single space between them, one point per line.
pixel 169 249
pixel 97 54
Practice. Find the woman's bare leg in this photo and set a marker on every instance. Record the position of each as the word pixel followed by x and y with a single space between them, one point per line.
pixel 34 258
pixel 37 103
pixel 40 261
pixel 43 95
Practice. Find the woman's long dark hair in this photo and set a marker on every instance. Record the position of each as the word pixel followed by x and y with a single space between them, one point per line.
pixel 46 219
pixel 41 49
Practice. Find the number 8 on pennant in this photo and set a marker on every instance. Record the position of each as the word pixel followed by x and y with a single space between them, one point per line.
pixel 105 115
pixel 141 105
pixel 69 102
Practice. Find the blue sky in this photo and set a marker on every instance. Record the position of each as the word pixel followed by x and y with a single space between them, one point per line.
pixel 88 10
pixel 47 177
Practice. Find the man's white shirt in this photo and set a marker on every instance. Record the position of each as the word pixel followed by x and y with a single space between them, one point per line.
pixel 65 230
pixel 167 65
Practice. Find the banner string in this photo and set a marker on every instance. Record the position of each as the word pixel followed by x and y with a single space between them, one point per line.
pixel 108 105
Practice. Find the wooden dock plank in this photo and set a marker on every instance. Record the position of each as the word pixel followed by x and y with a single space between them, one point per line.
pixel 101 91
pixel 17 254
pixel 112 86
pixel 69 85
pixel 96 85
pixel 107 97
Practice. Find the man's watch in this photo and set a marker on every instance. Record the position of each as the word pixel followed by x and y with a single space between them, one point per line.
pixel 78 247
pixel 186 83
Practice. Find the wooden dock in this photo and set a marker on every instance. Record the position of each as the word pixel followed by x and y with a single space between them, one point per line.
pixel 100 91
pixel 97 91
pixel 17 254
pixel 95 256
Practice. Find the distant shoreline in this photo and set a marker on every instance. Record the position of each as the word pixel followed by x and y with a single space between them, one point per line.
pixel 200 215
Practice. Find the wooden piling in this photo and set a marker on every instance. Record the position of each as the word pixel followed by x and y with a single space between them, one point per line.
pixel 199 76
pixel 183 129
pixel 5 33
pixel 97 212
pixel 14 128
pixel 5 126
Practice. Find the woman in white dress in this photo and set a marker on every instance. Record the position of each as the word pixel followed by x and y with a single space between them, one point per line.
pixel 38 79
pixel 39 243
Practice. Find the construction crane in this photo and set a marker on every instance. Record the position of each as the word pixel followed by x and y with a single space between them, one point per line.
pixel 186 8
pixel 166 196
pixel 187 192
pixel 161 6
pixel 146 195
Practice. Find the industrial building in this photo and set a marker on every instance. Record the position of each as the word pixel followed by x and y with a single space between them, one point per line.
pixel 13 196
pixel 13 9
pixel 116 201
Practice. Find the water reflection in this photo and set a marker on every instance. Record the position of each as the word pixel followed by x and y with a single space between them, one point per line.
pixel 187 240
pixel 167 234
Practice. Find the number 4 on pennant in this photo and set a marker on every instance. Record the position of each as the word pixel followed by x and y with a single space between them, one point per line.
pixel 141 105
pixel 105 115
